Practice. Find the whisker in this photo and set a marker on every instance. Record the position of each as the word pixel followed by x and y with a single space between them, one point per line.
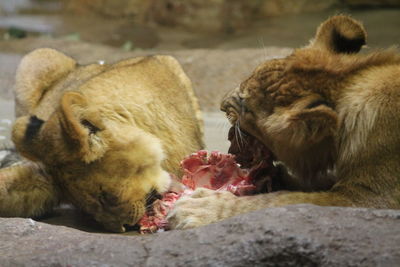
pixel 148 207
pixel 238 136
pixel 241 134
pixel 150 195
pixel 262 45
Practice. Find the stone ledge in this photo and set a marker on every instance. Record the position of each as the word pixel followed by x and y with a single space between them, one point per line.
pixel 300 235
pixel 213 72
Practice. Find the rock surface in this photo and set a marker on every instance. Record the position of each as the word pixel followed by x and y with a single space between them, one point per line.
pixel 283 7
pixel 211 72
pixel 113 8
pixel 372 3
pixel 212 15
pixel 300 235
pixel 204 15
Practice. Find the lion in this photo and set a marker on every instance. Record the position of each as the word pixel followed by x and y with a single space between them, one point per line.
pixel 104 137
pixel 327 113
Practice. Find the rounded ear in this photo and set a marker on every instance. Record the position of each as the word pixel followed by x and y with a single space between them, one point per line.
pixel 305 139
pixel 340 34
pixel 305 127
pixel 37 71
pixel 83 126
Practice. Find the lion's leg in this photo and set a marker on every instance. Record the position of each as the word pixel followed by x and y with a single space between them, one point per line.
pixel 206 206
pixel 25 191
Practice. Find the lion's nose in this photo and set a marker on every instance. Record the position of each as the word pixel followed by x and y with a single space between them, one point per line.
pixel 227 99
pixel 223 106
pixel 234 102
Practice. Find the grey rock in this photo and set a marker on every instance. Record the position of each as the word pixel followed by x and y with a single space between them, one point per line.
pixel 372 3
pixel 300 235
pixel 199 15
pixel 283 7
pixel 205 15
pixel 213 71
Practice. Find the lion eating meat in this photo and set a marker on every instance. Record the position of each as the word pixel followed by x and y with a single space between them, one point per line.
pixel 329 115
pixel 103 137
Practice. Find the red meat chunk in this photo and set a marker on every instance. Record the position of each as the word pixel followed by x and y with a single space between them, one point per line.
pixel 246 170
pixel 155 219
pixel 217 171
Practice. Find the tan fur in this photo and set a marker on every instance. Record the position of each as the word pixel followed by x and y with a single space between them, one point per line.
pixel 23 184
pixel 345 150
pixel 111 134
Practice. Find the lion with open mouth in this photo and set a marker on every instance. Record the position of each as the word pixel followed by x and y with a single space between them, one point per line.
pixel 329 115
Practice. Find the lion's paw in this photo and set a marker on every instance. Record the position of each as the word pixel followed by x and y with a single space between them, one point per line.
pixel 204 206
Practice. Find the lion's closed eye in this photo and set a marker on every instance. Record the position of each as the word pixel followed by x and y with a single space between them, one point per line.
pixel 319 102
pixel 92 128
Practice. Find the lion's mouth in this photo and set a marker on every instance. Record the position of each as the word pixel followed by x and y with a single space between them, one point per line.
pixel 252 154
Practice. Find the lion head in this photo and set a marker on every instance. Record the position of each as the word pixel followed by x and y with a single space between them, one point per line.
pixel 109 135
pixel 294 105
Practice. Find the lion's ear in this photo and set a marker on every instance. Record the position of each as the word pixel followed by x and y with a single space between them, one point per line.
pixel 340 34
pixel 37 71
pixel 83 126
pixel 304 127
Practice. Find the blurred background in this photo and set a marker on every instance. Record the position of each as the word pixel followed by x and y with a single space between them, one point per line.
pixel 187 24
pixel 218 42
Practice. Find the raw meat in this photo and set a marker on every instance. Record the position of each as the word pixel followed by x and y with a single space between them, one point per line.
pixel 218 171
pixel 155 219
